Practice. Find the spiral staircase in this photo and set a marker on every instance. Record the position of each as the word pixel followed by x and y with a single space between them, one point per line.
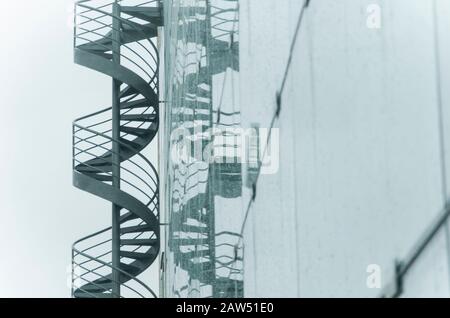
pixel 115 38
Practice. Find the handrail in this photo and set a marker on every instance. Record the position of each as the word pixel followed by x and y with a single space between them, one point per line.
pixel 110 130
pixel 122 20
pixel 122 144
pixel 121 271
pixel 128 160
pixel 402 267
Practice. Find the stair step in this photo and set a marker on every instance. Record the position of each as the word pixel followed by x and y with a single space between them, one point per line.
pixel 134 104
pixel 130 269
pixel 139 242
pixel 133 26
pixel 98 288
pixel 139 117
pixel 107 56
pixel 128 217
pixel 128 91
pixel 150 14
pixel 101 177
pixel 130 143
pixel 101 46
pixel 135 255
pixel 136 229
pixel 135 131
pixel 95 168
pixel 132 31
pixel 92 295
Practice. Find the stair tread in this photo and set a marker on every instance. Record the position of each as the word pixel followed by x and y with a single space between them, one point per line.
pixel 93 295
pixel 101 53
pixel 128 217
pixel 130 269
pixel 101 46
pixel 137 228
pixel 93 169
pixel 131 143
pixel 101 177
pixel 98 287
pixel 143 242
pixel 155 11
pixel 134 104
pixel 136 255
pixel 138 117
pixel 136 131
pixel 150 14
pixel 132 31
pixel 129 90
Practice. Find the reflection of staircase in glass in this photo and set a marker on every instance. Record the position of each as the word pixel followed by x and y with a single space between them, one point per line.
pixel 210 258
pixel 114 38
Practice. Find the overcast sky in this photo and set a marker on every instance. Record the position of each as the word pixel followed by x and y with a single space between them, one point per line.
pixel 42 91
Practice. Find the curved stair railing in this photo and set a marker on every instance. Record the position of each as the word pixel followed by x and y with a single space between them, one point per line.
pixel 114 38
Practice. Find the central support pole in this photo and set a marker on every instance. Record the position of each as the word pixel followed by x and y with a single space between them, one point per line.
pixel 116 153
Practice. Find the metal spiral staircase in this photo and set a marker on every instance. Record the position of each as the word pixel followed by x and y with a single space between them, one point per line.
pixel 115 38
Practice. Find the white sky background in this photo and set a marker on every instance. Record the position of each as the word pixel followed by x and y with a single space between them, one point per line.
pixel 42 92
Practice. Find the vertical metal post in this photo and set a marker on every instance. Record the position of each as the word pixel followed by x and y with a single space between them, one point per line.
pixel 72 275
pixel 116 153
pixel 213 169
pixel 73 147
pixel 161 272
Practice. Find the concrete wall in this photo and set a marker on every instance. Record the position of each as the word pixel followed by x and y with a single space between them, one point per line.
pixel 360 175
